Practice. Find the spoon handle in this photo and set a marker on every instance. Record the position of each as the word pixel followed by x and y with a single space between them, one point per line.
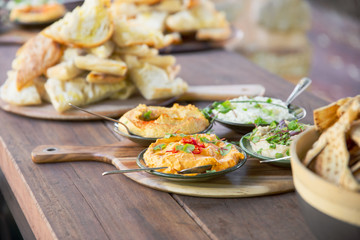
pixel 131 170
pixel 299 88
pixel 101 116
pixel 274 160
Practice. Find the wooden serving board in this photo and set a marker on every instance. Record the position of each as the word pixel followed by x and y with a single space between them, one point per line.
pixel 115 108
pixel 252 179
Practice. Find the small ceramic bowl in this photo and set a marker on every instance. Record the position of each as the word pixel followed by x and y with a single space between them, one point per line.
pixel 331 212
pixel 145 141
pixel 246 146
pixel 244 128
pixel 195 178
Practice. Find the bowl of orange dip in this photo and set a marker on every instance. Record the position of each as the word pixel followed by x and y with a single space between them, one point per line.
pixel 179 151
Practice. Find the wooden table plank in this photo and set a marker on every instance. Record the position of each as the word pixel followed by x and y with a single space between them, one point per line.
pixel 73 200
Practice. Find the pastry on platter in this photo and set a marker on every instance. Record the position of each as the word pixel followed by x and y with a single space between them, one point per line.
pixel 78 92
pixel 155 83
pixel 37 14
pixel 34 58
pixel 84 58
pixel 130 32
pixel 87 26
pixel 26 96
pixel 183 17
pixel 199 18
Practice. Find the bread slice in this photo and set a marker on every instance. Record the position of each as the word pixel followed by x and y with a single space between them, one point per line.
pixel 87 26
pixel 154 83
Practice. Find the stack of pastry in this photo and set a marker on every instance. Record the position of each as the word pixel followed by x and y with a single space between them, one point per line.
pixel 180 17
pixel 90 55
pixel 273 35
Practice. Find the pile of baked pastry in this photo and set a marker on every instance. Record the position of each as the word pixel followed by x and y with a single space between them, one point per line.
pixel 106 50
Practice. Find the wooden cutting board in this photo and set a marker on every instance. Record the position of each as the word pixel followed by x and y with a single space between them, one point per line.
pixel 252 179
pixel 115 108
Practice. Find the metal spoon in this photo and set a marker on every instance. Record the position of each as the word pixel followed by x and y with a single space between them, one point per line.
pixel 131 170
pixel 199 169
pixel 299 88
pixel 101 116
pixel 274 160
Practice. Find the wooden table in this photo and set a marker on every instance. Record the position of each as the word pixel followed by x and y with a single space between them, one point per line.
pixel 73 201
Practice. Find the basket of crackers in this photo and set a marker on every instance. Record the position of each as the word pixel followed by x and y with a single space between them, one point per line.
pixel 325 162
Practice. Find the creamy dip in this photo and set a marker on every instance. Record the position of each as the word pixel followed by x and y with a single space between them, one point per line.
pixel 274 141
pixel 156 122
pixel 258 110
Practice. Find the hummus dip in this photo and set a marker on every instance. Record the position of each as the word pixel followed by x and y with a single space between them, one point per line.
pixel 179 152
pixel 274 141
pixel 155 122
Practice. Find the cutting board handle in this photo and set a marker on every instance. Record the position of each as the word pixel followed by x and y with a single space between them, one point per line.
pixel 222 92
pixel 55 154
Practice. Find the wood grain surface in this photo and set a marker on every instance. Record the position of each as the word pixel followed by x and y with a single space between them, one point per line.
pixel 252 179
pixel 73 201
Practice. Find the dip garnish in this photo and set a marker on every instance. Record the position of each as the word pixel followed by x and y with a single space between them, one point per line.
pixel 160 146
pixel 279 133
pixel 274 135
pixel 147 115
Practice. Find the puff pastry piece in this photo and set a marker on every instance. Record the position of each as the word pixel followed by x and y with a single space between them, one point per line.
pixel 34 58
pixel 214 34
pixel 129 32
pixel 78 92
pixel 126 92
pixel 139 1
pixel 44 13
pixel 93 63
pixel 162 61
pixel 154 82
pixel 64 71
pixel 103 51
pixel 26 96
pixel 97 77
pixel 137 50
pixel 87 26
pixel 200 16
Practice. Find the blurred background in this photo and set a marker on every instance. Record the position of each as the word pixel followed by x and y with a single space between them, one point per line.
pixel 296 38
pixel 290 38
